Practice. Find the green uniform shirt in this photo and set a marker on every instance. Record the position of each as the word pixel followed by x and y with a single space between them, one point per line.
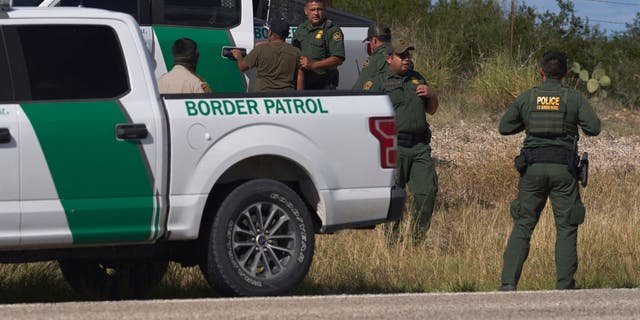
pixel 276 63
pixel 579 112
pixel 319 42
pixel 375 64
pixel 409 107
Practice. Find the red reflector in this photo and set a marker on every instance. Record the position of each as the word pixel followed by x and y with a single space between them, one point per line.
pixel 384 129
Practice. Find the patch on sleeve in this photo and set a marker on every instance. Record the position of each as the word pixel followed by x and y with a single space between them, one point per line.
pixel 367 86
pixel 365 64
pixel 337 36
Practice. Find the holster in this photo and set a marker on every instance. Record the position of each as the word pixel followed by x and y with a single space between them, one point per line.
pixel 520 162
pixel 583 169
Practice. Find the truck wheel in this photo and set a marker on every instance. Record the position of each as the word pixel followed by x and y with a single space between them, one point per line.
pixel 261 241
pixel 116 280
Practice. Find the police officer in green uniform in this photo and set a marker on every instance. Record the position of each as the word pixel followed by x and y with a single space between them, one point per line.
pixel 411 99
pixel 550 115
pixel 378 37
pixel 322 46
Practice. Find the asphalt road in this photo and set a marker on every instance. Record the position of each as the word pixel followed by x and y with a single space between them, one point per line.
pixel 578 304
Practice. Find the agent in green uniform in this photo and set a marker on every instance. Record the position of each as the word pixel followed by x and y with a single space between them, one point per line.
pixel 411 98
pixel 378 37
pixel 322 46
pixel 550 115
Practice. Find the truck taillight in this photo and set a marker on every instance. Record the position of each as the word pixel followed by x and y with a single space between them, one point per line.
pixel 384 129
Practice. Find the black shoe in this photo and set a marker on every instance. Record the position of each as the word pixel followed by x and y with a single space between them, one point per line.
pixel 507 287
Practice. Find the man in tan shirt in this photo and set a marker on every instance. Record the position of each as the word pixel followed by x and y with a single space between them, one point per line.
pixel 276 61
pixel 183 78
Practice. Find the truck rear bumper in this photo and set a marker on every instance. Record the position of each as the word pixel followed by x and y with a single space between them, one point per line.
pixel 360 211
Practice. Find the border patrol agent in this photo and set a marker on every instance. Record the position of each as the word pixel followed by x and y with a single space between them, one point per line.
pixel 550 115
pixel 411 98
pixel 378 38
pixel 183 78
pixel 322 46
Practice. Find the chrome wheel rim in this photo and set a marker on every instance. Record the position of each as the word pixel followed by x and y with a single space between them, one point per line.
pixel 263 240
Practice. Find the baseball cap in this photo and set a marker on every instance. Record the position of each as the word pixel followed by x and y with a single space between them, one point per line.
pixel 380 31
pixel 399 46
pixel 279 26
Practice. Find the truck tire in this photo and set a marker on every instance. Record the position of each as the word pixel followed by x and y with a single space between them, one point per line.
pixel 261 241
pixel 117 280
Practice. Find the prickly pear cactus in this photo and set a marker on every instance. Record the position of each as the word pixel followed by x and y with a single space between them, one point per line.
pixel 594 83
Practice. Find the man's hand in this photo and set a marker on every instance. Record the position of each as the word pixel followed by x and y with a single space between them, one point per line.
pixel 305 63
pixel 429 97
pixel 237 54
pixel 423 91
pixel 242 65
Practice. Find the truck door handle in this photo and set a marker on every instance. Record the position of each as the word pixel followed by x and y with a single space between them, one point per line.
pixel 226 52
pixel 131 131
pixel 5 135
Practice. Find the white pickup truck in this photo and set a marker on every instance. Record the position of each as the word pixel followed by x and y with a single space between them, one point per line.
pixel 113 180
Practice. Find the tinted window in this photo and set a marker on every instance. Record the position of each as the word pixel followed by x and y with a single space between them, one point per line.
pixel 201 13
pixel 6 91
pixel 293 10
pixel 26 3
pixel 126 6
pixel 72 62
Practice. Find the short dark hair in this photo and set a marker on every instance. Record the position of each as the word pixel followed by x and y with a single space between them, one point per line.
pixel 319 1
pixel 184 49
pixel 554 64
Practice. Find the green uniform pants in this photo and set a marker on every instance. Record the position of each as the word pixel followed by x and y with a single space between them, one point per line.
pixel 542 180
pixel 417 169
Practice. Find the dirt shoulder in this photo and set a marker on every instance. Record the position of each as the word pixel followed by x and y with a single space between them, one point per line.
pixel 463 141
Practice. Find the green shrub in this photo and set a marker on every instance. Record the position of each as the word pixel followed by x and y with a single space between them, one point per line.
pixel 499 79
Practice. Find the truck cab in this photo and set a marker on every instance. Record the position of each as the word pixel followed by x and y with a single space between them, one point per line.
pixel 216 25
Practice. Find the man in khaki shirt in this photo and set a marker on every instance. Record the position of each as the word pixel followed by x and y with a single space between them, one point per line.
pixel 277 62
pixel 183 78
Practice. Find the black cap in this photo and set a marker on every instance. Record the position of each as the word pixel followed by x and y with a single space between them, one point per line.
pixel 380 31
pixel 279 26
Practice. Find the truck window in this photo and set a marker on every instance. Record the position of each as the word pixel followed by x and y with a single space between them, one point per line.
pixel 199 13
pixel 26 3
pixel 126 6
pixel 69 62
pixel 293 10
pixel 6 91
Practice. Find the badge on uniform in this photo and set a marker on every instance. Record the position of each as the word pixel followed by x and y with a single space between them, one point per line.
pixel 365 64
pixel 415 81
pixel 367 86
pixel 337 36
pixel 319 34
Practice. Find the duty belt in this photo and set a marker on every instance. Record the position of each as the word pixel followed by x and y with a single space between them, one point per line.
pixel 409 140
pixel 550 154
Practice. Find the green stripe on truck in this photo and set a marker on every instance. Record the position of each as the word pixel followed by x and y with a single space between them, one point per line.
pixel 102 183
pixel 221 74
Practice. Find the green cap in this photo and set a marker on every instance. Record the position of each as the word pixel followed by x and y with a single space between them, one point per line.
pixel 399 46
pixel 380 31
